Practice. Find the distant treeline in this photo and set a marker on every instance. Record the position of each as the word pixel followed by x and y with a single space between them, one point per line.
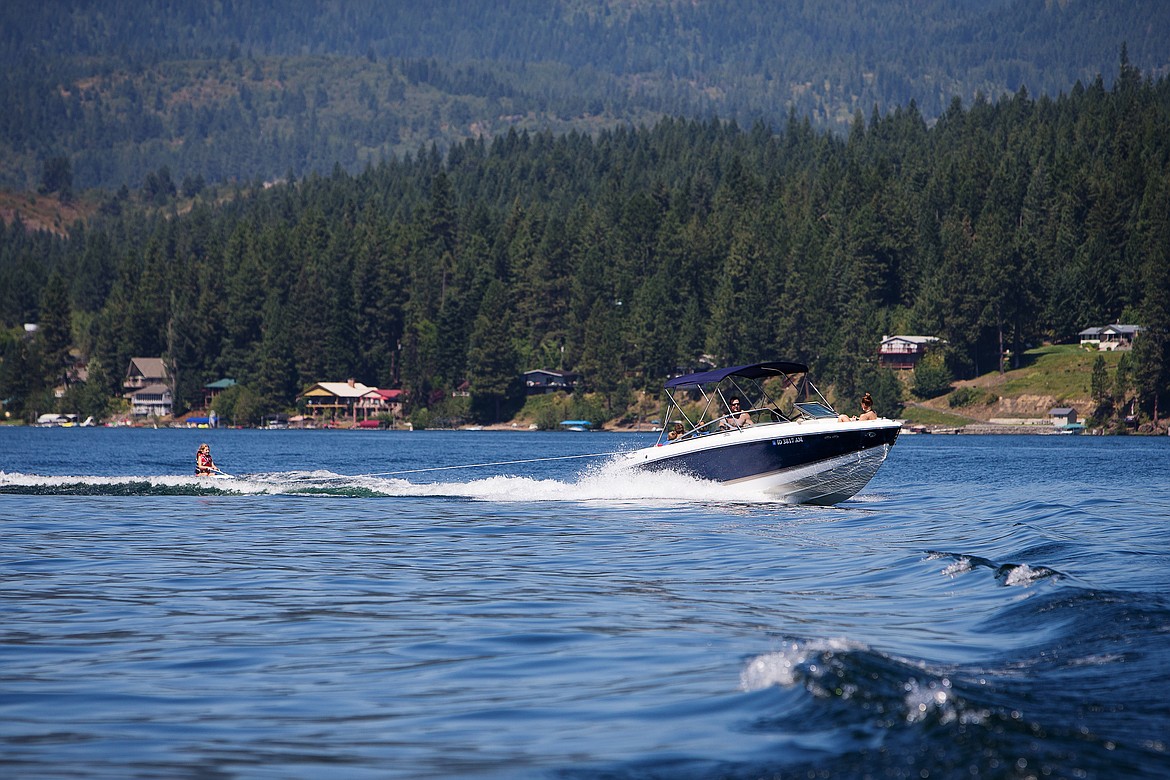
pixel 240 91
pixel 628 254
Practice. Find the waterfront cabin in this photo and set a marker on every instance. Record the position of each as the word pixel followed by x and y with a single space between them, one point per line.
pixel 540 381
pixel 153 400
pixel 213 389
pixel 333 400
pixel 1109 338
pixel 380 401
pixel 904 352
pixel 145 371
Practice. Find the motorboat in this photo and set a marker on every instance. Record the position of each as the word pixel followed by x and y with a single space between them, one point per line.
pixel 783 437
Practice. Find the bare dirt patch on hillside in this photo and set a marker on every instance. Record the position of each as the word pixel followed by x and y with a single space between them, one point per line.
pixel 41 212
pixel 1015 407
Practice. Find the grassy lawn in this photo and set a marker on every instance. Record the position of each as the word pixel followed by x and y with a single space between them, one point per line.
pixel 1061 370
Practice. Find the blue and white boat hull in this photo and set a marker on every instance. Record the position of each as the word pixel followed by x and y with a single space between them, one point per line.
pixel 806 462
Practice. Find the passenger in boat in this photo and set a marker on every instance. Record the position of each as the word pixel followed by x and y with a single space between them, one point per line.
pixel 867 412
pixel 204 465
pixel 735 418
pixel 676 432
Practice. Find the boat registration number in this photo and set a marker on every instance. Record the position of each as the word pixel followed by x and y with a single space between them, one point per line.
pixel 788 440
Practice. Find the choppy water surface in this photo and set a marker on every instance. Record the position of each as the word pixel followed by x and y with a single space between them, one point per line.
pixel 988 607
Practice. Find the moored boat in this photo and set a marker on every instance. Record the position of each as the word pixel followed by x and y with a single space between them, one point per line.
pixel 784 437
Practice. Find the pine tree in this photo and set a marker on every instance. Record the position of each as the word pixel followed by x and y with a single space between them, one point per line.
pixel 56 330
pixel 738 302
pixel 492 368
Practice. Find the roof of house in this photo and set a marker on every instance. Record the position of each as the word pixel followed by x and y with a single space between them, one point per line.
pixel 385 395
pixel 1114 328
pixel 337 390
pixel 1060 411
pixel 157 388
pixel 561 374
pixel 911 339
pixel 150 368
pixel 220 384
pixel 1128 330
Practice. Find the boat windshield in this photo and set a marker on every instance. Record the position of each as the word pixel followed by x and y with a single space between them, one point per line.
pixel 767 393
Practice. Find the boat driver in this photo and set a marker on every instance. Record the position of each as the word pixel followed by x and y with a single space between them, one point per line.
pixel 735 418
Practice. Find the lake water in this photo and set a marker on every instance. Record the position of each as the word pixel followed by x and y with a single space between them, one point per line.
pixel 992 606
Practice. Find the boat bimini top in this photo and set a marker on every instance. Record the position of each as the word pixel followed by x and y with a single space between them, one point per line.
pixel 698 400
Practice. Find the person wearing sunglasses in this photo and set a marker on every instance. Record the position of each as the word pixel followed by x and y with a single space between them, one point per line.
pixel 736 417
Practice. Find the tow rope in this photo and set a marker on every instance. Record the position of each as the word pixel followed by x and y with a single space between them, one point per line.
pixel 488 465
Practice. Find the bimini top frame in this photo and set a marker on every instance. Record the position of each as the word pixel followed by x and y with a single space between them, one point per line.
pixel 717 386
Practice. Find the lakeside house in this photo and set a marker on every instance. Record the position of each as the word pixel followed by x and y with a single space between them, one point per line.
pixel 1110 337
pixel 904 352
pixel 151 401
pixel 381 401
pixel 212 389
pixel 1064 419
pixel 539 381
pixel 147 386
pixel 145 371
pixel 333 401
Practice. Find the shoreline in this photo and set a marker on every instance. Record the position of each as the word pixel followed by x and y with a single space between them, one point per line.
pixel 974 428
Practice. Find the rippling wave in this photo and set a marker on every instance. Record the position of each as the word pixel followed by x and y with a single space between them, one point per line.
pixel 890 714
pixel 1007 573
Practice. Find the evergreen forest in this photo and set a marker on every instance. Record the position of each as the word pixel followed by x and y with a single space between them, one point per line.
pixel 625 255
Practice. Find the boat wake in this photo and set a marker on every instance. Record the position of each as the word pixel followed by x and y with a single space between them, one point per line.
pixel 839 668
pixel 847 687
pixel 604 482
pixel 1010 574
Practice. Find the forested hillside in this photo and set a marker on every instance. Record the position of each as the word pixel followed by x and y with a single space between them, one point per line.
pixel 628 253
pixel 167 96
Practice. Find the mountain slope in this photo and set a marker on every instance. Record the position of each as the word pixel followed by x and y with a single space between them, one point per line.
pixel 238 91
